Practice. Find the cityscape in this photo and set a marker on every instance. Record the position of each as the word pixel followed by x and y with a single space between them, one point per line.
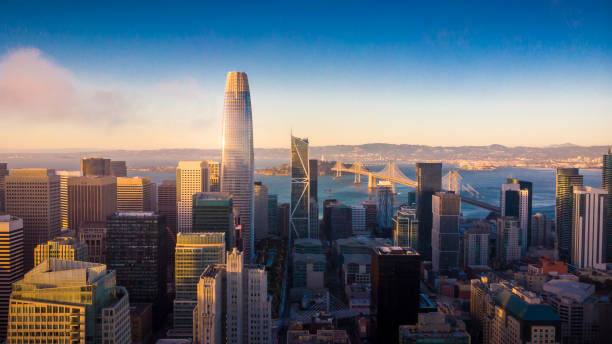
pixel 166 219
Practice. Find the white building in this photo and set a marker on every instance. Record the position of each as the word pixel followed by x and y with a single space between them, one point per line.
pixel 588 226
pixel 64 176
pixel 517 207
pixel 11 249
pixel 191 177
pixel 208 317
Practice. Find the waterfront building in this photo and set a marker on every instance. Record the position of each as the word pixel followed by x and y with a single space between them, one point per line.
pixel 64 176
pixel 371 214
pixel 429 181
pixel 273 214
pixel 139 238
pixel 91 167
pixel 191 178
pixel 193 253
pixel 566 179
pixel 93 234
pixel 336 220
pixel 589 226
pixel 33 195
pixel 606 184
pixel 213 212
pixel 61 300
pixel 446 207
pixel 3 173
pixel 260 208
pixel 118 168
pixel 61 247
pixel 515 201
pixel 435 327
pixel 508 240
pixel 237 154
pixel 11 253
pixel 386 198
pixel 395 290
pixel 90 199
pixel 300 193
pixel 542 231
pixel 358 221
pixel 135 194
pixel 406 228
pixel 476 247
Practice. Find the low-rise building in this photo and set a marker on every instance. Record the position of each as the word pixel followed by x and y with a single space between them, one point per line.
pixel 435 327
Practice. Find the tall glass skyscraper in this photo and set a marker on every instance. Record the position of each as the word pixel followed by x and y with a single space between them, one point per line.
pixel 606 184
pixel 237 154
pixel 299 217
pixel 567 178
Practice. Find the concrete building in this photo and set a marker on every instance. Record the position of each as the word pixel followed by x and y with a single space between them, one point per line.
pixel 435 327
pixel 336 220
pixel 589 226
pixel 91 167
pixel 542 231
pixel 508 240
pixel 209 312
pixel 61 300
pixel 118 168
pixel 61 247
pixel 191 178
pixel 308 270
pixel 90 199
pixel 273 214
pixel 214 212
pixel 358 223
pixel 476 247
pixel 446 208
pixel 135 194
pixel 406 228
pixel 429 181
pixel 11 261
pixel 260 209
pixel 93 234
pixel 258 322
pixel 385 195
pixel 3 173
pixel 64 176
pixel 33 195
pixel 567 178
pixel 166 203
pixel 515 201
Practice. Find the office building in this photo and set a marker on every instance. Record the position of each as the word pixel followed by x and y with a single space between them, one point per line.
pixel 313 185
pixel 308 270
pixel 566 179
pixel 61 247
pixel 90 199
pixel 209 313
pixel 336 220
pixel 191 178
pixel 260 208
pixel 385 196
pixel 282 217
pixel 3 173
pixel 33 195
pixel 319 337
pixel 435 327
pixel 476 247
pixel 118 168
pixel 273 214
pixel 93 234
pixel 69 301
pixel 259 322
pixel 371 214
pixel 11 263
pixel 213 212
pixel 516 201
pixel 300 192
pixel 237 154
pixel 136 249
pixel 358 221
pixel 508 240
pixel 135 194
pixel 64 176
pixel 91 167
pixel 166 203
pixel 214 184
pixel 446 207
pixel 406 228
pixel 589 226
pixel 141 321
pixel 606 184
pixel 235 303
pixel 542 231
pixel 429 180
pixel 395 290
pixel 193 253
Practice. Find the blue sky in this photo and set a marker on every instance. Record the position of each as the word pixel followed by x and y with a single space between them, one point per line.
pixel 436 73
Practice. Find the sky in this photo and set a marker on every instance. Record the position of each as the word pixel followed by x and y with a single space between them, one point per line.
pixel 149 75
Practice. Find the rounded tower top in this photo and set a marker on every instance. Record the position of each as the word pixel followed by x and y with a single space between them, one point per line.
pixel 237 82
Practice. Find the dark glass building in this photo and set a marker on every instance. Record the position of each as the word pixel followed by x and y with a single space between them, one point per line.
pixel 282 217
pixel 95 167
pixel 371 214
pixel 213 212
pixel 606 184
pixel 528 186
pixel 567 178
pixel 337 220
pixel 429 180
pixel 395 290
pixel 313 185
pixel 118 168
pixel 272 214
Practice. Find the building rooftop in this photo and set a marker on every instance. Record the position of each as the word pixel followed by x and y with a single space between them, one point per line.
pixel 56 272
pixel 570 290
pixel 395 251
pixel 309 257
pixel 135 213
pixel 523 310
pixel 357 259
pixel 211 196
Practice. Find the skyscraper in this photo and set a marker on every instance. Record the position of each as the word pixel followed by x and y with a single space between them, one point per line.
pixel 93 234
pixel 135 194
pixel 166 203
pixel 260 211
pixel 508 239
pixel 273 214
pixel 64 176
pixel 213 212
pixel 336 220
pixel 300 193
pixel 90 199
pixel 446 207
pixel 567 178
pixel 213 176
pixel 516 201
pixel 476 246
pixel 542 229
pixel 33 194
pixel 386 199
pixel 191 178
pixel 3 173
pixel 11 264
pixel 589 226
pixel 606 184
pixel 429 179
pixel 95 167
pixel 235 297
pixel 209 313
pixel 371 214
pixel 237 153
pixel 118 169
pixel 313 185
pixel 358 221
pixel 61 247
pixel 406 228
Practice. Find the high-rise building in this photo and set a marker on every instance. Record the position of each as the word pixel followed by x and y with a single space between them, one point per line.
pixel 191 178
pixel 476 247
pixel 313 185
pixel 508 239
pixel 589 226
pixel 273 214
pixel 259 322
pixel 33 194
pixel 446 207
pixel 567 178
pixel 386 198
pixel 95 167
pixel 140 239
pixel 213 176
pixel 235 303
pixel 64 176
pixel 284 210
pixel 435 327
pixel 61 247
pixel 69 301
pixel 11 263
pixel 135 194
pixel 300 193
pixel 3 173
pixel 308 264
pixel 118 168
pixel 213 212
pixel 525 187
pixel 371 215
pixel 93 234
pixel 358 225
pixel 336 220
pixel 515 201
pixel 166 203
pixel 237 154
pixel 194 252
pixel 209 312
pixel 260 208
pixel 429 180
pixel 406 228
pixel 90 199
pixel 606 184
pixel 395 290
pixel 542 230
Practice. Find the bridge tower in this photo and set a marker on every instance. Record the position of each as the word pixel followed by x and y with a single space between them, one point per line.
pixel 371 181
pixel 452 182
pixel 357 171
pixel 338 169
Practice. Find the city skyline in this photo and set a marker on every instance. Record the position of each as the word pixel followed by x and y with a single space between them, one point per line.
pixel 459 76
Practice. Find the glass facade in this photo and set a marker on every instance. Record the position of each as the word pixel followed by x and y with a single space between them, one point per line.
pixel 299 217
pixel 237 153
pixel 606 184
pixel 567 178
pixel 406 228
pixel 429 180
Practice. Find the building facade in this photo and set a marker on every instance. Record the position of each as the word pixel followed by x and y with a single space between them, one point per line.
pixel 260 208
pixel 606 184
pixel 476 247
pixel 191 178
pixel 515 201
pixel 64 176
pixel 135 194
pixel 300 192
pixel 61 247
pixel 91 167
pixel 358 220
pixel 11 262
pixel 93 234
pixel 589 226
pixel 542 231
pixel 3 173
pixel 508 242
pixel 406 228
pixel 118 168
pixel 385 196
pixel 273 214
pixel 429 181
pixel 566 179
pixel 213 212
pixel 90 199
pixel 446 208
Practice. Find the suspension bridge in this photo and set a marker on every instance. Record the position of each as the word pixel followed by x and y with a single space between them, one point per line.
pixel 452 181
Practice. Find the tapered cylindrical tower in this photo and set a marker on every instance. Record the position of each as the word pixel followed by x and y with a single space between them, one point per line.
pixel 237 154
